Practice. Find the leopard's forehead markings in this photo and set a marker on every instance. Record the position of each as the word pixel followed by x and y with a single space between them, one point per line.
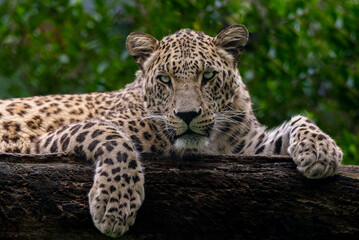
pixel 186 52
pixel 186 36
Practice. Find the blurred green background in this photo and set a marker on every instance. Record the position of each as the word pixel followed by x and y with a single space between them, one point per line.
pixel 303 56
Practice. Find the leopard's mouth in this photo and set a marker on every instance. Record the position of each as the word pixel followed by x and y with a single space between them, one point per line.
pixel 191 140
pixel 189 133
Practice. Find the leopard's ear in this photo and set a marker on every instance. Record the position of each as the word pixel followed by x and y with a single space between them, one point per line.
pixel 233 40
pixel 141 46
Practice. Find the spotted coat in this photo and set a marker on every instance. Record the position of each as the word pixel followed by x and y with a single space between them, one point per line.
pixel 188 97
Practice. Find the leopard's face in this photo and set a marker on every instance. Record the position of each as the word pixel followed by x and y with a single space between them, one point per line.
pixel 189 79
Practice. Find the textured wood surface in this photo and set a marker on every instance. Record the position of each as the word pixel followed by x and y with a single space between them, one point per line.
pixel 200 197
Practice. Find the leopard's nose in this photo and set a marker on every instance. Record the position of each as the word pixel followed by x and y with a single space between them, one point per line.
pixel 187 117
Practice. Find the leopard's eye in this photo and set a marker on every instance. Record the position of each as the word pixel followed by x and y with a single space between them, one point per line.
pixel 208 75
pixel 164 79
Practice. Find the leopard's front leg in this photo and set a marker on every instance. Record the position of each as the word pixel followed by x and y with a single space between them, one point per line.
pixel 117 191
pixel 314 152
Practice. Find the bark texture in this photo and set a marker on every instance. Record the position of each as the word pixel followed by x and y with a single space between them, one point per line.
pixel 201 197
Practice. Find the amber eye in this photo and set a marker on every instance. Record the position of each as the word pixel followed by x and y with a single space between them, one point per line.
pixel 164 79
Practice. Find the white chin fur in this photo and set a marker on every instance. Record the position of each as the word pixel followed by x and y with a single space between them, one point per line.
pixel 191 142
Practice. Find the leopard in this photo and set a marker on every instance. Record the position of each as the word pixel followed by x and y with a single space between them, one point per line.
pixel 188 97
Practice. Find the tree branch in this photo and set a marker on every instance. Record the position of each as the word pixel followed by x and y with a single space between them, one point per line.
pixel 200 197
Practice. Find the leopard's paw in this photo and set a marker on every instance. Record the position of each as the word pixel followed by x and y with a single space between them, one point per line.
pixel 316 155
pixel 113 208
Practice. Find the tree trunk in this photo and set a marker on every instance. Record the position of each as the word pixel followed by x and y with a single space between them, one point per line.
pixel 200 197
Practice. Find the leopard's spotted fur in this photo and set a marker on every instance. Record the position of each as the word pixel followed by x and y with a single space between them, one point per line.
pixel 188 97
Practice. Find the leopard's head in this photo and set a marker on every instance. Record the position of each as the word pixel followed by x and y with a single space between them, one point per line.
pixel 189 78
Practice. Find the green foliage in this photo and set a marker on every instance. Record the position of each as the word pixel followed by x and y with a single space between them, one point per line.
pixel 302 59
pixel 58 47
